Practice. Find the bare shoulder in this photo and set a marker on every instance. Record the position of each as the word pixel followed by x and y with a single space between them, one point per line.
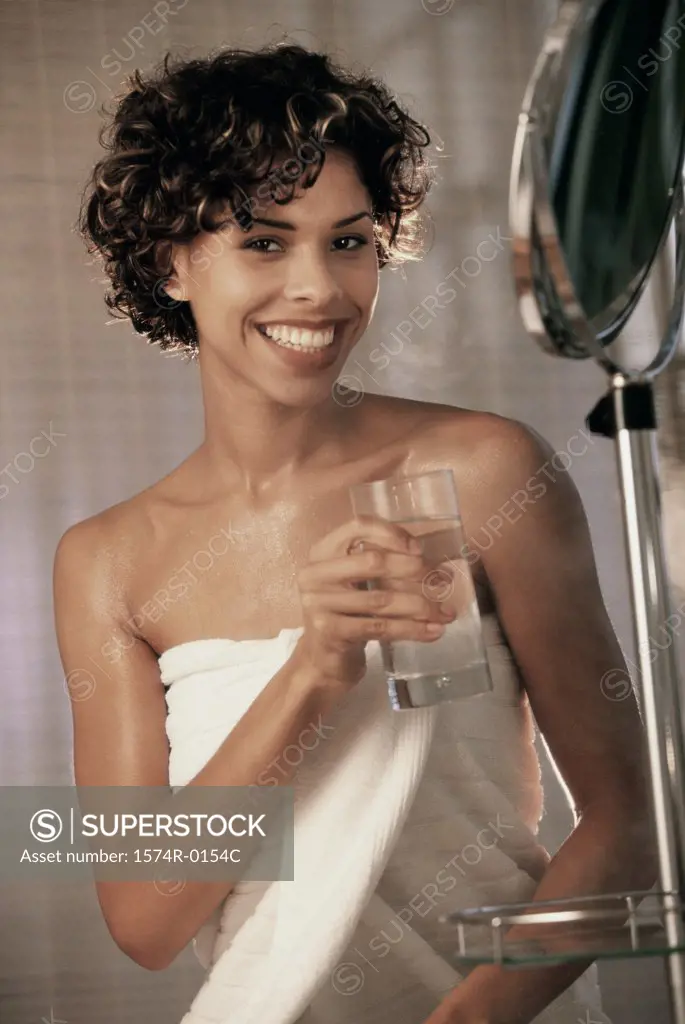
pixel 498 456
pixel 448 434
pixel 105 548
pixel 119 736
pixel 104 542
pixel 480 432
pixel 498 460
pixel 429 420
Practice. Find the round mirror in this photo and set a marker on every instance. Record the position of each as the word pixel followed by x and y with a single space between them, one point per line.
pixel 596 178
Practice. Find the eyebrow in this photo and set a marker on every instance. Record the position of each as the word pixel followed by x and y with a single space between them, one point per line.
pixel 287 226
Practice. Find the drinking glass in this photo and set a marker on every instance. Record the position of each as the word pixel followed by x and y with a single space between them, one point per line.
pixel 423 673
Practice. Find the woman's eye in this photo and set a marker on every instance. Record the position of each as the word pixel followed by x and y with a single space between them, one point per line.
pixel 353 238
pixel 259 241
pixel 259 244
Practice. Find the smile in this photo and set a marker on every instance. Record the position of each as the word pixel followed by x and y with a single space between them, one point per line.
pixel 303 351
pixel 298 337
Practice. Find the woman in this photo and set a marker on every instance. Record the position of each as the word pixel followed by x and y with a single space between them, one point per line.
pixel 244 210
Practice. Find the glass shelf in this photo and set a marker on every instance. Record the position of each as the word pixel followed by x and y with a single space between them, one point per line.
pixel 605 927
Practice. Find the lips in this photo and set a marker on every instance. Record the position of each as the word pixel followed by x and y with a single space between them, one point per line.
pixel 318 359
pixel 268 331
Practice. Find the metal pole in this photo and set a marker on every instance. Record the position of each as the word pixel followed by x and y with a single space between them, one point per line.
pixel 660 697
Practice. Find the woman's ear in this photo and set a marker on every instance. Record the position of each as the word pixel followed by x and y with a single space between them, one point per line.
pixel 167 259
pixel 175 289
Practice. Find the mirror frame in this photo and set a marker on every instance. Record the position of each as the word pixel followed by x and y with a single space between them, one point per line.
pixel 549 307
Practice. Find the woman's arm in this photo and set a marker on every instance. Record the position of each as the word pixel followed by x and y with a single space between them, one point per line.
pixel 119 713
pixel 541 567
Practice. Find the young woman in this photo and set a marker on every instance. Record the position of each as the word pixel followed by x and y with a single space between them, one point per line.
pixel 244 211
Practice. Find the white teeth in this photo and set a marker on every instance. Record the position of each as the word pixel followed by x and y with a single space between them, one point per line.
pixel 295 337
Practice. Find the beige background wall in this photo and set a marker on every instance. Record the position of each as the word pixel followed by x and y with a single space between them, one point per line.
pixel 122 414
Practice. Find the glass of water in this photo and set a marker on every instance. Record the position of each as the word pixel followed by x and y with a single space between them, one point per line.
pixel 423 673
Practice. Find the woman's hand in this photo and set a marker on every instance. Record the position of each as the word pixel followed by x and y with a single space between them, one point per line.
pixel 341 615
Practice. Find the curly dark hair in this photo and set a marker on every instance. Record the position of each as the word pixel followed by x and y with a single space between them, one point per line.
pixel 192 139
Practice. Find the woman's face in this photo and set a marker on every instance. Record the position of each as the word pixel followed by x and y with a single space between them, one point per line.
pixel 308 270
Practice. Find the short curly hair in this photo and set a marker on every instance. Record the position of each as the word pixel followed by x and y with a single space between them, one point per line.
pixel 193 139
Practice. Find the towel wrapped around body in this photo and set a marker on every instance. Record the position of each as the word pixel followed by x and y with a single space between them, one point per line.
pixel 399 817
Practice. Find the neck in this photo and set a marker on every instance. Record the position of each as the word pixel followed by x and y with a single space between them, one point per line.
pixel 260 446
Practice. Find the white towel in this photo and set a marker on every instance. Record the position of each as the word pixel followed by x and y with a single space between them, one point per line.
pixel 274 950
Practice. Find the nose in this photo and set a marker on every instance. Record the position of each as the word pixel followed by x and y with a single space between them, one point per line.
pixel 309 277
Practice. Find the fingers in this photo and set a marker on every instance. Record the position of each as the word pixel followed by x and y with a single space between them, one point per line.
pixel 363 530
pixel 350 628
pixel 363 565
pixel 365 581
pixel 388 603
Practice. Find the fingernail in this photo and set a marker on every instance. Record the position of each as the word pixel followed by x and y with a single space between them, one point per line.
pixel 434 628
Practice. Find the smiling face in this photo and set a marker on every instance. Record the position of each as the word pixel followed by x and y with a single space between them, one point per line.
pixel 314 264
